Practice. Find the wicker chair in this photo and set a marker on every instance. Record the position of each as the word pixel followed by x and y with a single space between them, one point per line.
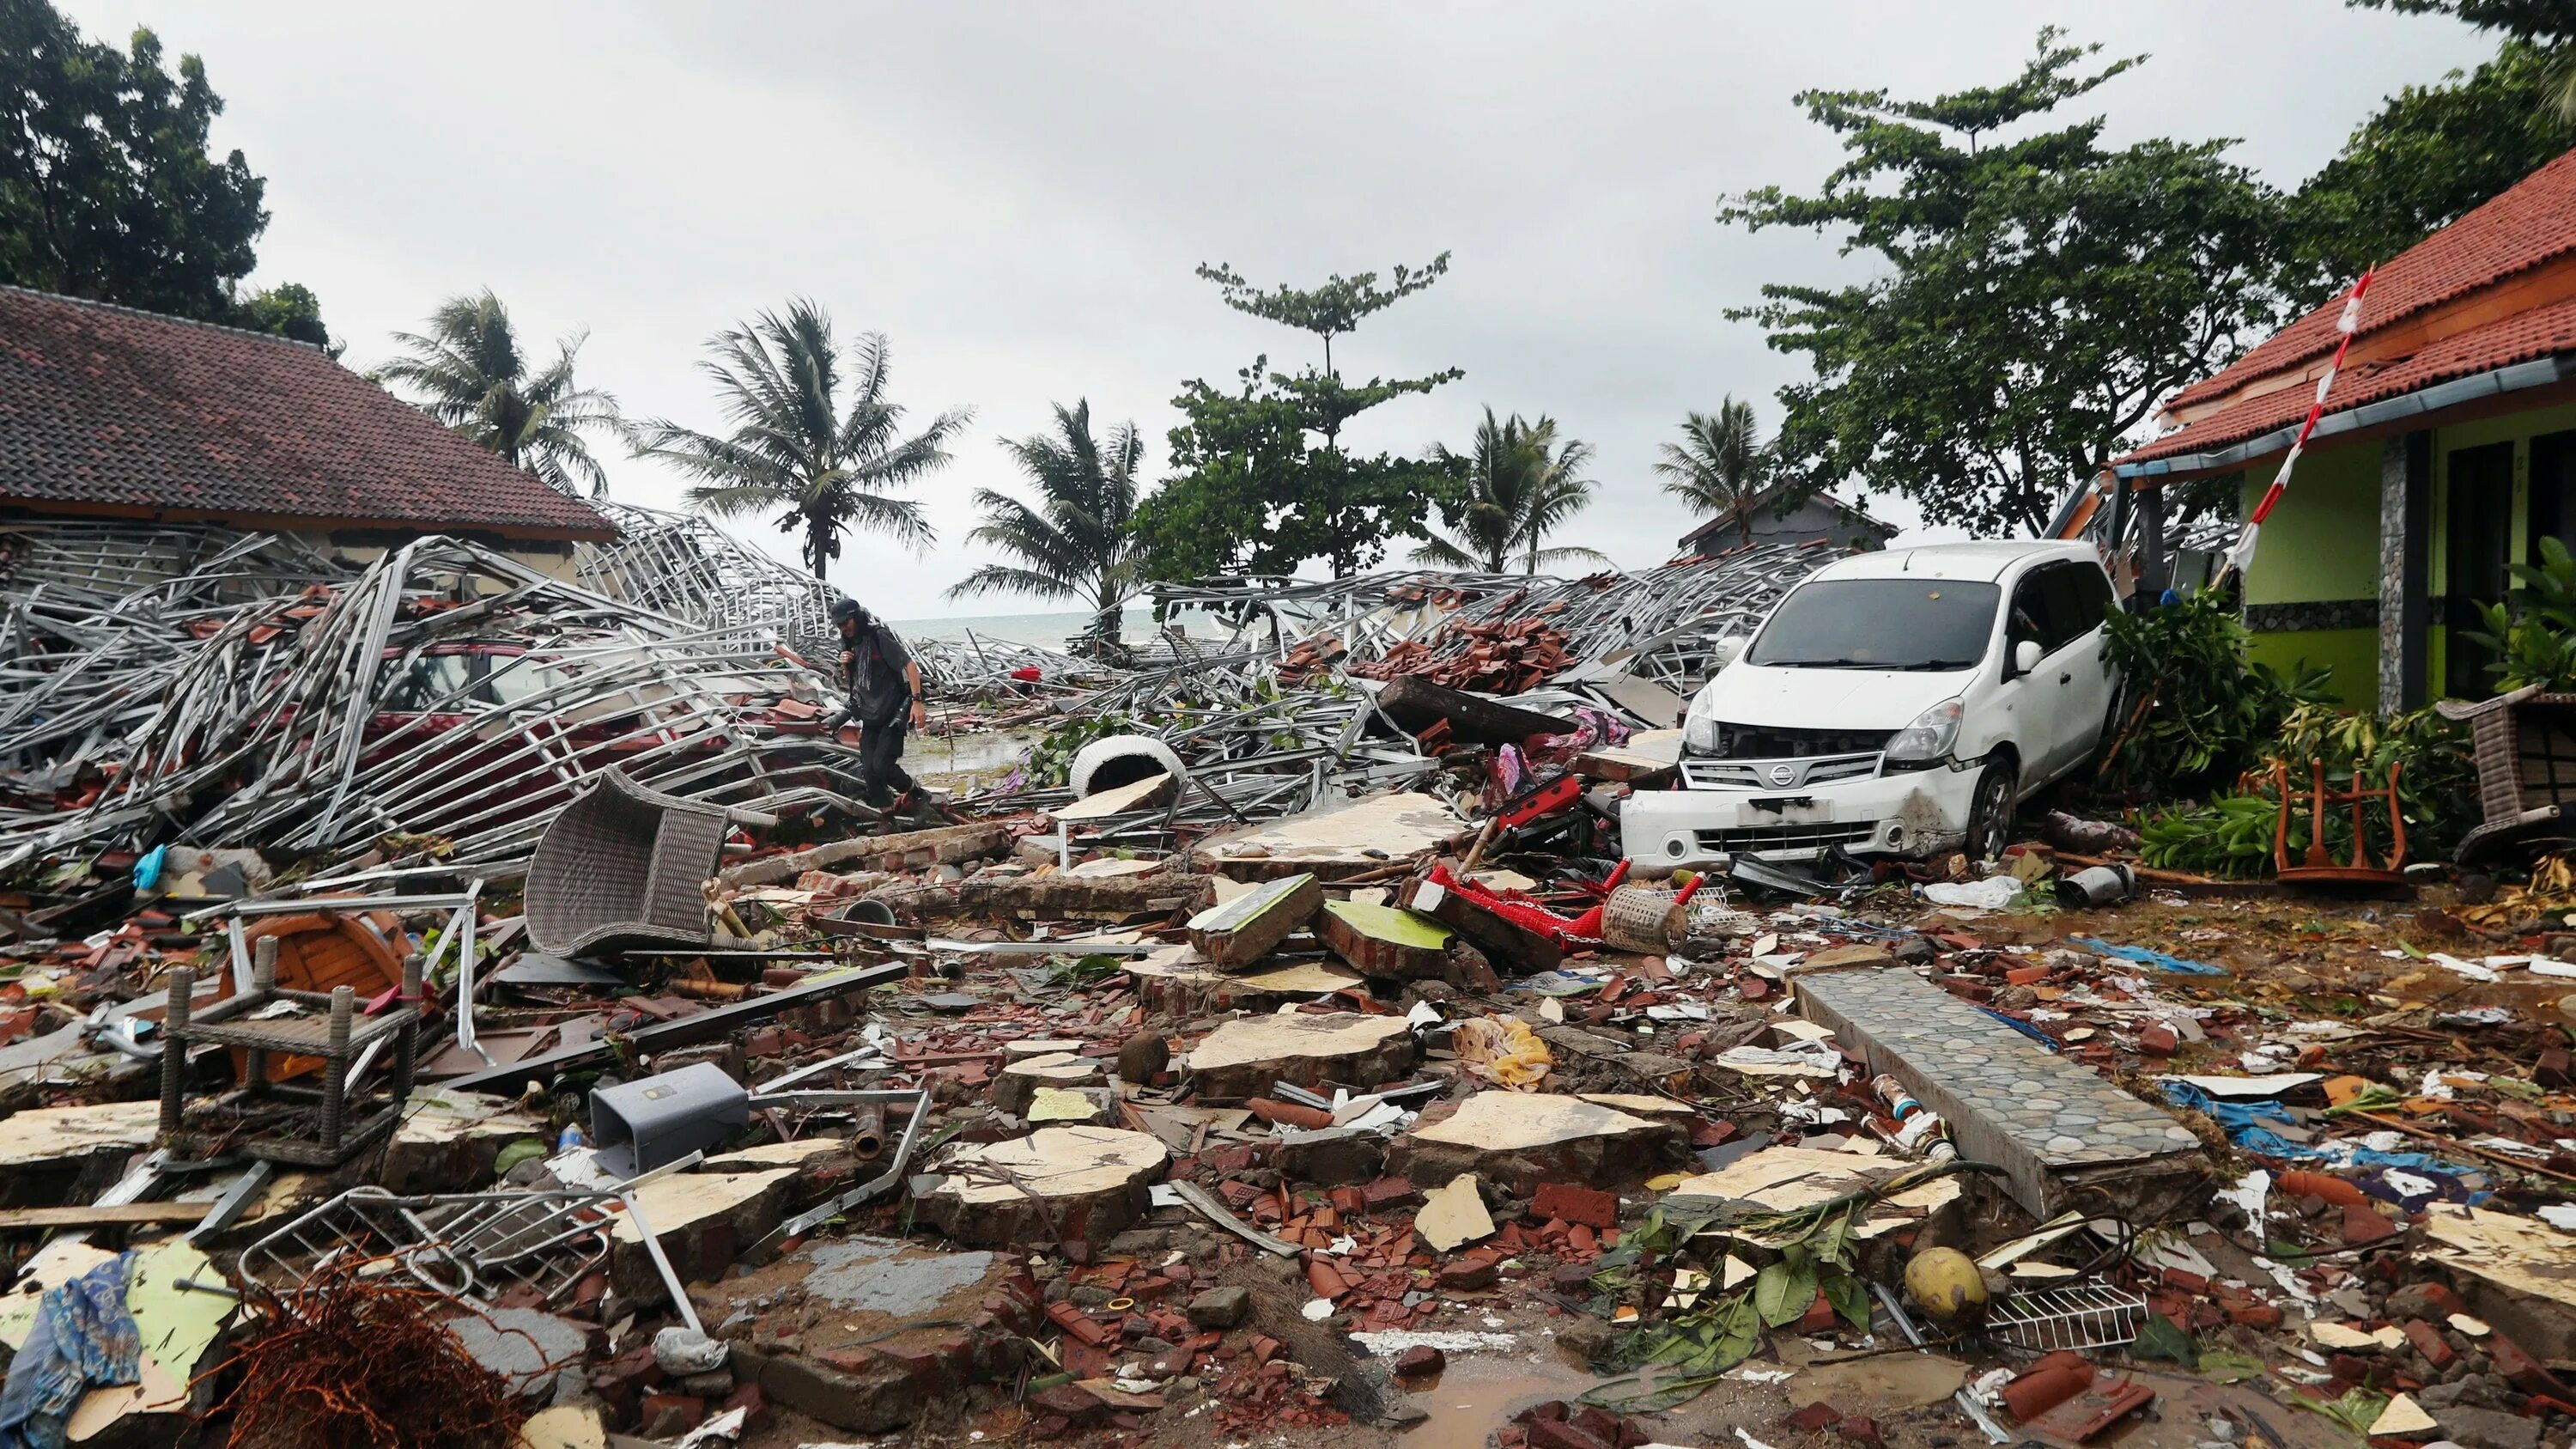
pixel 2525 746
pixel 626 866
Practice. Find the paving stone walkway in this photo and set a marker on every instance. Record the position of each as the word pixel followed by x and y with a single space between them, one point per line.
pixel 2007 1100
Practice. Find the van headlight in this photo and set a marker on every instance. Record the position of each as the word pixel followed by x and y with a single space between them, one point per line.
pixel 1700 735
pixel 1929 738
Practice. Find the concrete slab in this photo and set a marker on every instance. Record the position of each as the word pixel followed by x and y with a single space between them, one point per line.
pixel 1385 941
pixel 1054 1185
pixel 1521 1139
pixel 65 1136
pixel 1018 1083
pixel 1367 835
pixel 1178 982
pixel 1245 1057
pixel 530 1349
pixel 1234 933
pixel 1781 1178
pixel 2047 1122
pixel 867 1334
pixel 449 1140
pixel 703 1220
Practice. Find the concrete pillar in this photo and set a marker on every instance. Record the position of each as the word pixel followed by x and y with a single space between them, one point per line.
pixel 2405 573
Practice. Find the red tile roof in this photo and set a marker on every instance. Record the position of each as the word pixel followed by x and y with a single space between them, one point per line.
pixel 122 411
pixel 2532 222
pixel 2541 332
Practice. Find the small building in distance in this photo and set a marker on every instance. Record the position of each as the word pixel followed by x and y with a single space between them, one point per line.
pixel 1773 518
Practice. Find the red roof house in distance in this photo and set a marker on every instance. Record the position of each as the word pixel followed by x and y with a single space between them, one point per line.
pixel 2446 452
pixel 111 413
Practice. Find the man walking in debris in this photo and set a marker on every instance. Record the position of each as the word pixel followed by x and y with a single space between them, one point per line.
pixel 883 686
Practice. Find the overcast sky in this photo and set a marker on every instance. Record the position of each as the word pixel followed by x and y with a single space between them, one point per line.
pixel 1017 193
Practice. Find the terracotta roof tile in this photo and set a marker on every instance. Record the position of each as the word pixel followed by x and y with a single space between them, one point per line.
pixel 2542 332
pixel 122 410
pixel 2532 222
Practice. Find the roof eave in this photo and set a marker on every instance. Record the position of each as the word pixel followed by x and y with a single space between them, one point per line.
pixel 2439 397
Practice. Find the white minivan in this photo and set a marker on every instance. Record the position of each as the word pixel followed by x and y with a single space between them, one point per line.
pixel 1897 703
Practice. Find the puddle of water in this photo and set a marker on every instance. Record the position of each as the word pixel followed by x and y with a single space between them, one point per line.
pixel 1478 1395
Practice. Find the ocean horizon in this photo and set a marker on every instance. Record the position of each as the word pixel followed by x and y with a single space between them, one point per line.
pixel 1046 629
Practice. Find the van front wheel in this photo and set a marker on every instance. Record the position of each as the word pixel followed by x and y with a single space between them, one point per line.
pixel 1990 814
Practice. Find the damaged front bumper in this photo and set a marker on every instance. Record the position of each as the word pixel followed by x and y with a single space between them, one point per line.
pixel 1912 813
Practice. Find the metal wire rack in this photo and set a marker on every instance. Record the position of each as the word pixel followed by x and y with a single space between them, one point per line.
pixel 2086 1315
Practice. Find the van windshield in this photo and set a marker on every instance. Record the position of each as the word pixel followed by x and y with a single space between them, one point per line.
pixel 1916 624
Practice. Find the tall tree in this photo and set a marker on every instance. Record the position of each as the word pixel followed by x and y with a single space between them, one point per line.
pixel 2433 153
pixel 1078 542
pixel 1522 483
pixel 2037 295
pixel 1719 465
pixel 824 453
pixel 468 372
pixel 108 189
pixel 2547 26
pixel 1261 481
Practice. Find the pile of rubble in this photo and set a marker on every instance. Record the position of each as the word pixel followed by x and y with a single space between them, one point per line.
pixel 1302 1061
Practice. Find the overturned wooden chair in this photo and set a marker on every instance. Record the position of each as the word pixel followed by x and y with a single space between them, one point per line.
pixel 2524 743
pixel 623 866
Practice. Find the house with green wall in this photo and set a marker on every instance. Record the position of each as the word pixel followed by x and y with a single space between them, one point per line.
pixel 2447 450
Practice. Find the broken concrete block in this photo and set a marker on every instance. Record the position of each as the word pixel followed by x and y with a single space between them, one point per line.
pixel 703 1220
pixel 1233 934
pixel 1364 836
pixel 1221 1308
pixel 66 1137
pixel 1057 1184
pixel 1453 1215
pixel 448 1141
pixel 1243 1058
pixel 1333 1156
pixel 1017 1084
pixel 1521 1139
pixel 1513 948
pixel 1385 941
pixel 1177 983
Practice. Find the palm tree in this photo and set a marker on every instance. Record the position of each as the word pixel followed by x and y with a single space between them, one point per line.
pixel 469 374
pixel 1720 465
pixel 825 457
pixel 1077 543
pixel 1522 485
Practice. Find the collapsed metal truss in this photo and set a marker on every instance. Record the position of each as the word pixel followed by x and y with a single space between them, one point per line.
pixel 213 687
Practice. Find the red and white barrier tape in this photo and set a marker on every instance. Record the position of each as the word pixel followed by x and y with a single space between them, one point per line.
pixel 2349 323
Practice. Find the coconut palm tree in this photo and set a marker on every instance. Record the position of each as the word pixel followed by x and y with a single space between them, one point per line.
pixel 823 452
pixel 1719 465
pixel 1522 485
pixel 1077 542
pixel 467 372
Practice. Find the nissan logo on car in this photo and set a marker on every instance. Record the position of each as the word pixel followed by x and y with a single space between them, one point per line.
pixel 1783 774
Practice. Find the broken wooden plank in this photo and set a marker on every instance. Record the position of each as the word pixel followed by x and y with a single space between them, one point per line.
pixel 101 1215
pixel 1387 942
pixel 1648 756
pixel 1233 934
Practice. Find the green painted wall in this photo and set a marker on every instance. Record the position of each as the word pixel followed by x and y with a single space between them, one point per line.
pixel 2322 542
pixel 2350 655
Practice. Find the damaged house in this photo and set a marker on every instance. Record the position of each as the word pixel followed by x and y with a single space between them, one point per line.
pixel 2446 452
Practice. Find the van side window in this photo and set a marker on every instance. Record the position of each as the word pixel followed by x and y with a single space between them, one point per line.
pixel 2079 596
pixel 2034 614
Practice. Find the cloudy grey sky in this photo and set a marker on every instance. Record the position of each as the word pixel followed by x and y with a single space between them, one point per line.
pixel 1017 193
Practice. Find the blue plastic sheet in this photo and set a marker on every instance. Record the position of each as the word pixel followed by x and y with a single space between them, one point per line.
pixel 2145 957
pixel 2244 1121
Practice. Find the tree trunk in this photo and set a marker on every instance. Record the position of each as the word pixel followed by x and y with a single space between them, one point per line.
pixel 818 541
